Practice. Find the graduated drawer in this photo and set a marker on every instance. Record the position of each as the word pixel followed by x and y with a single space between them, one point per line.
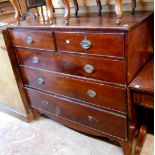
pixel 32 39
pixel 92 93
pixel 91 43
pixel 103 121
pixel 79 65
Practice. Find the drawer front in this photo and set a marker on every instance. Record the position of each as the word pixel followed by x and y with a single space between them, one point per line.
pixel 32 39
pixel 93 93
pixel 89 43
pixel 104 121
pixel 85 66
pixel 144 99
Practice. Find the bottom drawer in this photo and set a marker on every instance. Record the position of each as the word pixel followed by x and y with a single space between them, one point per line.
pixel 100 120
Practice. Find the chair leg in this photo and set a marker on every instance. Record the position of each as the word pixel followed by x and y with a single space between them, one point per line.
pixel 42 13
pixel 17 10
pixel 76 7
pixel 67 10
pixel 50 8
pixel 133 6
pixel 99 7
pixel 119 11
pixel 37 12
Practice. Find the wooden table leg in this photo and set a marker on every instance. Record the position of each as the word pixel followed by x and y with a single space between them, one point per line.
pixel 128 145
pixel 99 7
pixel 119 10
pixel 141 140
pixel 50 9
pixel 67 10
pixel 17 10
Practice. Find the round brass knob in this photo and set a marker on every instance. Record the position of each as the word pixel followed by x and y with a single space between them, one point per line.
pixel 90 118
pixel 40 81
pixel 89 68
pixel 29 40
pixel 35 60
pixel 45 103
pixel 85 43
pixel 91 93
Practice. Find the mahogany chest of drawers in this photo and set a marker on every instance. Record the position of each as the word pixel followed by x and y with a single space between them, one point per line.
pixel 78 74
pixel 7 11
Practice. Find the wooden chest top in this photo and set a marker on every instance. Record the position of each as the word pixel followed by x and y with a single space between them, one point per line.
pixel 90 22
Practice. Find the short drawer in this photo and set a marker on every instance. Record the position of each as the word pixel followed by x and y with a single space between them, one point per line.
pixel 91 43
pixel 98 94
pixel 79 65
pixel 103 121
pixel 144 99
pixel 32 39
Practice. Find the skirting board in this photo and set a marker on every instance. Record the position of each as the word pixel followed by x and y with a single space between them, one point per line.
pixel 26 117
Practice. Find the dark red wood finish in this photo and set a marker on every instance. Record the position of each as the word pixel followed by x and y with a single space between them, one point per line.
pixel 101 43
pixel 106 96
pixel 143 86
pixel 137 46
pixel 74 64
pixel 88 116
pixel 144 81
pixel 147 100
pixel 116 52
pixel 142 89
pixel 40 39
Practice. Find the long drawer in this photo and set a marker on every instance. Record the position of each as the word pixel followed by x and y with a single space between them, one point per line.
pixel 91 43
pixel 100 120
pixel 32 39
pixel 85 66
pixel 94 93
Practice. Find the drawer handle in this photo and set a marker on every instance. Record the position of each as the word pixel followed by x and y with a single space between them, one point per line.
pixel 40 81
pixel 89 68
pixel 91 93
pixel 35 60
pixel 29 40
pixel 45 103
pixel 90 118
pixel 85 43
pixel 2 10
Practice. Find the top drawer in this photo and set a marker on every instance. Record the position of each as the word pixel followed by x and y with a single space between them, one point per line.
pixel 91 43
pixel 32 39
